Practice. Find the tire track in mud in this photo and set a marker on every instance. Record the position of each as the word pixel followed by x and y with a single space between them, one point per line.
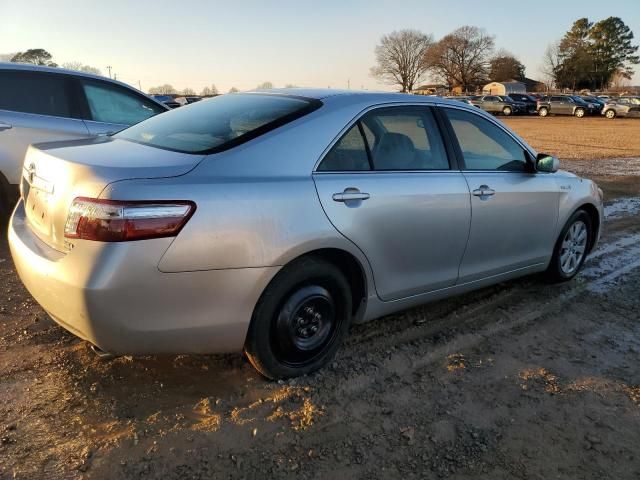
pixel 430 333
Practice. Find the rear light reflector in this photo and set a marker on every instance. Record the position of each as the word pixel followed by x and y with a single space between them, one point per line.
pixel 121 221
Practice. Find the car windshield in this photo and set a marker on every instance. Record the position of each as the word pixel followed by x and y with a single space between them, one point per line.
pixel 218 123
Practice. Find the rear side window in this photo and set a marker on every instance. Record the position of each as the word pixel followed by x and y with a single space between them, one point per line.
pixel 39 93
pixel 112 104
pixel 395 138
pixel 218 123
pixel 349 154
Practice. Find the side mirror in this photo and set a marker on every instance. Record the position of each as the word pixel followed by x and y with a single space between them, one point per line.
pixel 547 163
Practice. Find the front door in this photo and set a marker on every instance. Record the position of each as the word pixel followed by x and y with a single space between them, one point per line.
pixel 388 187
pixel 514 210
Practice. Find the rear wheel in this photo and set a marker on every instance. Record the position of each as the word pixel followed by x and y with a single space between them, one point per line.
pixel 507 111
pixel 300 320
pixel 611 113
pixel 571 248
pixel 543 112
pixel 579 112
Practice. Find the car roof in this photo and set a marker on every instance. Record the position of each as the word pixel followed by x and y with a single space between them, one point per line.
pixel 355 95
pixel 76 73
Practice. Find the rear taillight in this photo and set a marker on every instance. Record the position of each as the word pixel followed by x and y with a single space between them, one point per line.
pixel 121 221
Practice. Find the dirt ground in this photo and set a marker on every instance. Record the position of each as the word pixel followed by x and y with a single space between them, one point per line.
pixel 579 138
pixel 521 380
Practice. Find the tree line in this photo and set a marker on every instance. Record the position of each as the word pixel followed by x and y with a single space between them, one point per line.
pixel 590 55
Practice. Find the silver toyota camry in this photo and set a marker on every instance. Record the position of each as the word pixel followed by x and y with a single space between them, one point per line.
pixel 270 221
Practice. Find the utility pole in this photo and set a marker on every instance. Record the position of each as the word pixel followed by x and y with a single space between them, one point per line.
pixel 109 68
pixel 115 76
pixel 348 84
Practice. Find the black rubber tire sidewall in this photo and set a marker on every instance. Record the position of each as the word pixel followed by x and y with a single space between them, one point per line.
pixel 306 271
pixel 554 272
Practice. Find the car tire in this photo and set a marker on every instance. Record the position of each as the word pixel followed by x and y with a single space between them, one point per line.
pixel 543 112
pixel 571 248
pixel 579 112
pixel 611 113
pixel 507 111
pixel 5 209
pixel 300 319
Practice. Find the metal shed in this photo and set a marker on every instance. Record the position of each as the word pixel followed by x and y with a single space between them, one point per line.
pixel 504 88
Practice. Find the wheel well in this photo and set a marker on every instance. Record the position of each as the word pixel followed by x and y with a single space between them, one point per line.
pixel 594 216
pixel 352 270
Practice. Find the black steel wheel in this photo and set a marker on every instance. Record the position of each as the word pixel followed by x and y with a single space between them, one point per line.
pixel 300 319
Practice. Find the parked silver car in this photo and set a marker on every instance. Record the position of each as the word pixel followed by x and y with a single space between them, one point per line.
pixel 40 104
pixel 270 221
pixel 622 107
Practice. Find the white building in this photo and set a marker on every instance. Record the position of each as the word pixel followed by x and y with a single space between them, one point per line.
pixel 503 88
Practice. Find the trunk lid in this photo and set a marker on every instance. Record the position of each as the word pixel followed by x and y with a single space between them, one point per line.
pixel 56 173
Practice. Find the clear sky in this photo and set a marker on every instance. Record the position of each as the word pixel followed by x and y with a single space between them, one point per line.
pixel 192 43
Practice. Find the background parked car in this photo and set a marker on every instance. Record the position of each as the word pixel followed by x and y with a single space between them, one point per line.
pixel 187 100
pixel 597 102
pixel 622 107
pixel 529 101
pixel 167 100
pixel 461 98
pixel 499 104
pixel 42 104
pixel 563 105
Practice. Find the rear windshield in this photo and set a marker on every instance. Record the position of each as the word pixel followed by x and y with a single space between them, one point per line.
pixel 218 123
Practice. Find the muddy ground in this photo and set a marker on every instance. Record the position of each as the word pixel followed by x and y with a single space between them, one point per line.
pixel 520 380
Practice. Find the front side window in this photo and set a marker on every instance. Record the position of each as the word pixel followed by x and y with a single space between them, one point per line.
pixel 33 92
pixel 218 123
pixel 111 104
pixel 484 145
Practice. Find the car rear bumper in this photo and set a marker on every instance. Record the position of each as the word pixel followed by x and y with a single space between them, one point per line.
pixel 114 296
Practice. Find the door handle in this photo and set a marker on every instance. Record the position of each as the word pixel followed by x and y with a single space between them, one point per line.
pixel 350 194
pixel 5 126
pixel 483 191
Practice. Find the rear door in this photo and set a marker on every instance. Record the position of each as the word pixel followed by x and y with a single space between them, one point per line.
pixel 109 108
pixel 388 186
pixel 514 210
pixel 35 107
pixel 561 105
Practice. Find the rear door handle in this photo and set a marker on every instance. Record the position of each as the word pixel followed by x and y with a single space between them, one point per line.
pixel 350 194
pixel 483 191
pixel 5 126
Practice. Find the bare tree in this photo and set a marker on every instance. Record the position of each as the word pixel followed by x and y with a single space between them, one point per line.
pixel 462 57
pixel 550 64
pixel 162 90
pixel 265 86
pixel 400 58
pixel 209 91
pixel 79 66
pixel 188 91
pixel 233 90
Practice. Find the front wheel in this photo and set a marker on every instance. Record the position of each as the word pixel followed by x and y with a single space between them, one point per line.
pixel 611 113
pixel 571 248
pixel 506 111
pixel 579 112
pixel 543 112
pixel 300 320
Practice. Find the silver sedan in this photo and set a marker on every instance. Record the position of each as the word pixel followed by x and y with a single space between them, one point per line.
pixel 270 221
